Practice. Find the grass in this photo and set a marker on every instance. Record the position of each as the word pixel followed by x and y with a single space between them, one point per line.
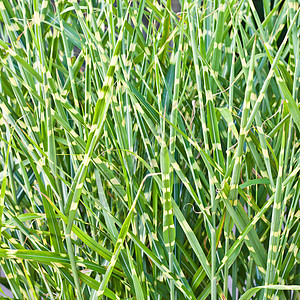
pixel 156 161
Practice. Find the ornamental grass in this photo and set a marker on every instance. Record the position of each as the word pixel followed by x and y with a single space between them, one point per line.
pixel 147 153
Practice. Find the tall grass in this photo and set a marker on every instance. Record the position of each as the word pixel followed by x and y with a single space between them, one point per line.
pixel 147 154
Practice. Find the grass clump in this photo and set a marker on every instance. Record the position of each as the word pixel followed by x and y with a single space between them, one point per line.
pixel 147 154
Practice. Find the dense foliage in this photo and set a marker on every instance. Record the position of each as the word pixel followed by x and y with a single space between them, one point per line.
pixel 148 154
